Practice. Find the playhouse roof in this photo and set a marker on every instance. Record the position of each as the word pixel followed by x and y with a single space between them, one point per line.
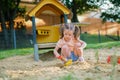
pixel 47 6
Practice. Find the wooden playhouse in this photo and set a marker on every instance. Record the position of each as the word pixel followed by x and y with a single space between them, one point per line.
pixel 53 13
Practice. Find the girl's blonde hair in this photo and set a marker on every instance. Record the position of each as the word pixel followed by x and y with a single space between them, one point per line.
pixel 68 26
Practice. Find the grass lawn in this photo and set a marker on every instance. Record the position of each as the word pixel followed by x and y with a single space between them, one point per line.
pixel 25 51
pixel 104 45
pixel 14 52
pixel 93 39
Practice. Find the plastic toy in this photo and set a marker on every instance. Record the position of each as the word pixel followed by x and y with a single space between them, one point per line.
pixel 109 58
pixel 67 63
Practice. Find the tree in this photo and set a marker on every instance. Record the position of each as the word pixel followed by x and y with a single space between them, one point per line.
pixel 9 9
pixel 3 26
pixel 77 7
pixel 110 9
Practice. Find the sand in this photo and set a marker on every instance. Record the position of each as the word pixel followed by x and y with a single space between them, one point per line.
pixel 50 68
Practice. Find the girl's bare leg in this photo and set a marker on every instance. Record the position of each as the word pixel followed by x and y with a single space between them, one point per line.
pixel 65 51
pixel 78 51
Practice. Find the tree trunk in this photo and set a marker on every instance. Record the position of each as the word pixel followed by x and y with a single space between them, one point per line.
pixel 11 32
pixel 12 14
pixel 74 10
pixel 4 29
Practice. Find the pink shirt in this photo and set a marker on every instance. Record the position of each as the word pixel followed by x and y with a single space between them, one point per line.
pixel 62 42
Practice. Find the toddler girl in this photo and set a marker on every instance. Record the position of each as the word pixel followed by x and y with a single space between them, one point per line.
pixel 70 44
pixel 65 43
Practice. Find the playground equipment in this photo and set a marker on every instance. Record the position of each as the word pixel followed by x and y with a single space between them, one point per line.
pixel 112 58
pixel 47 34
pixel 53 13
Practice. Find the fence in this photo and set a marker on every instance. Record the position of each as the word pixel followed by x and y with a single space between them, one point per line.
pixel 24 40
pixel 19 40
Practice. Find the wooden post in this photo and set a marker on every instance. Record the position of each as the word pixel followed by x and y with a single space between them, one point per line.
pixel 14 39
pixel 99 36
pixel 80 29
pixel 65 18
pixel 36 56
pixel 61 18
pixel 118 35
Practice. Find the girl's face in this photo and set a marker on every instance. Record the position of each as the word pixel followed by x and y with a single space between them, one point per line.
pixel 68 34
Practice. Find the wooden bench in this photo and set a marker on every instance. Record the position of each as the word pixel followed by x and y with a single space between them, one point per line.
pixel 46 45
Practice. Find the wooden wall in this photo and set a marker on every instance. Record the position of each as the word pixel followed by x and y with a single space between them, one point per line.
pixel 50 19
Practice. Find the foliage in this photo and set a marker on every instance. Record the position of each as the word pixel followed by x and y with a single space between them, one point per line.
pixel 68 77
pixel 97 56
pixel 21 11
pixel 9 10
pixel 77 7
pixel 114 64
pixel 80 5
pixel 110 9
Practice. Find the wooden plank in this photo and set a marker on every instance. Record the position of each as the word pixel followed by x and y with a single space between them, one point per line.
pixel 46 45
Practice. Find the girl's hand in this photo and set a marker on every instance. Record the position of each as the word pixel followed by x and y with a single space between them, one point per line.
pixel 62 58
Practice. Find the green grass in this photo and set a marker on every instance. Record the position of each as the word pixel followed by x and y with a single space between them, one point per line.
pixel 68 77
pixel 104 45
pixel 25 51
pixel 94 38
pixel 91 40
pixel 14 52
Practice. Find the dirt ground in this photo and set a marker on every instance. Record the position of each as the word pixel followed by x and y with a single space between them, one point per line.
pixel 50 68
